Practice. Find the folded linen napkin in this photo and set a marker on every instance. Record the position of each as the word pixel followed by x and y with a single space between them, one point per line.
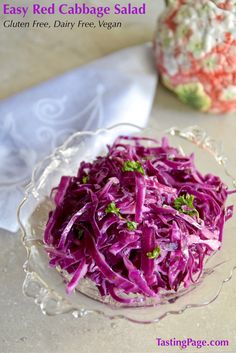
pixel 117 88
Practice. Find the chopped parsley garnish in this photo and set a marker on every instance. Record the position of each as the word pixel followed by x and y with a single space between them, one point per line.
pixel 131 225
pixel 79 233
pixel 132 166
pixel 85 179
pixel 111 208
pixel 154 253
pixel 184 204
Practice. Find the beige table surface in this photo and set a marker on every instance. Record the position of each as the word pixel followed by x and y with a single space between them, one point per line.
pixel 28 57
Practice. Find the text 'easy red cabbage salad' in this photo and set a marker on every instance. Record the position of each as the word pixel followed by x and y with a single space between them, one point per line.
pixel 138 220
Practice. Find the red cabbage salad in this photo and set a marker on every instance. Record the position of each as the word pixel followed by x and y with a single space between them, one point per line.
pixel 137 221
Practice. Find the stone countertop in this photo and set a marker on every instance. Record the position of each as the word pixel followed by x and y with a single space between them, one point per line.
pixel 28 57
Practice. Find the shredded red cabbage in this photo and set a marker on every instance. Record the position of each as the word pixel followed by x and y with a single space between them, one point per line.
pixel 136 221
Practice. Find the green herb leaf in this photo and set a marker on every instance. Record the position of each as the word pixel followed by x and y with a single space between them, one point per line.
pixel 154 253
pixel 131 225
pixel 184 204
pixel 111 208
pixel 80 233
pixel 85 179
pixel 132 166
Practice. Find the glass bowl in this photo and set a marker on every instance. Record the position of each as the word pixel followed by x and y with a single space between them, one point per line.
pixel 47 285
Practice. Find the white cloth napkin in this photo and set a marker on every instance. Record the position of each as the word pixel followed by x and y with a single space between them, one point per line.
pixel 117 88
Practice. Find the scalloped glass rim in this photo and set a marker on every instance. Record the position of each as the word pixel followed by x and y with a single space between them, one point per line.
pixel 46 285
